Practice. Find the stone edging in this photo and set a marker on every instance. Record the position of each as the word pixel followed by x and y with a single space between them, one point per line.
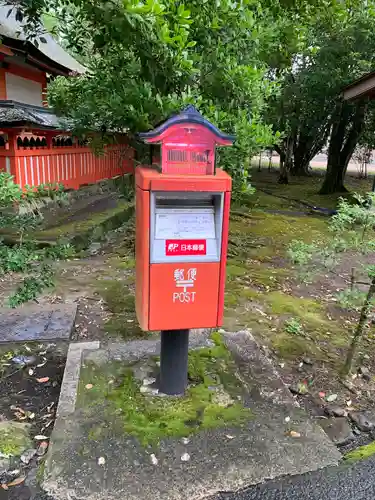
pixel 69 386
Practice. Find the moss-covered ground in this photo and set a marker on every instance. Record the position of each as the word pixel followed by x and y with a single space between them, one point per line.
pixel 213 398
pixel 259 293
pixel 301 188
pixel 14 438
pixel 264 291
pixel 360 453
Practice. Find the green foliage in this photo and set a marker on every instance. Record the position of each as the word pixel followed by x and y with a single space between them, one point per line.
pixel 32 286
pixel 25 257
pixel 17 258
pixel 351 299
pixel 216 55
pixel 335 46
pixel 300 252
pixel 59 252
pixel 371 271
pixel 351 229
pixel 9 191
pixel 356 217
pixel 294 326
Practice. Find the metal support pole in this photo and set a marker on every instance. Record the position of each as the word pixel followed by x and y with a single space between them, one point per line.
pixel 174 361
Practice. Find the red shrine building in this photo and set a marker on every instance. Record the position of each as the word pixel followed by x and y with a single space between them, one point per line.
pixel 35 146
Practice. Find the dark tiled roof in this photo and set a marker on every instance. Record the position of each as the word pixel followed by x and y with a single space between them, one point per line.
pixel 16 114
pixel 188 115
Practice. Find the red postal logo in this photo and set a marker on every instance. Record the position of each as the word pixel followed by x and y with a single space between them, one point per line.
pixel 185 247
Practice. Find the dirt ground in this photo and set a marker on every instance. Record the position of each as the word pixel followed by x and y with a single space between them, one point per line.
pixel 30 380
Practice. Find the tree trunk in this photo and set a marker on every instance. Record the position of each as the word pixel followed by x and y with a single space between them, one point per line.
pixel 334 178
pixel 270 161
pixel 300 169
pixel 359 330
pixel 301 155
pixel 283 173
pixel 346 131
pixel 286 162
pixel 309 141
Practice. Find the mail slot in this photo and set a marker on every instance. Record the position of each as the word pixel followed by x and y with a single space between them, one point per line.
pixel 182 218
pixel 186 227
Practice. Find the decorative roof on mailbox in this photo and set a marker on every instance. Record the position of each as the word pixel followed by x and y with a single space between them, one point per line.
pixel 189 115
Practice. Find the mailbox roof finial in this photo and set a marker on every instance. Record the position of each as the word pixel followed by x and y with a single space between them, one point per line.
pixel 188 115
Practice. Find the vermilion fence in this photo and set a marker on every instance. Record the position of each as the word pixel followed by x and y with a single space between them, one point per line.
pixel 71 166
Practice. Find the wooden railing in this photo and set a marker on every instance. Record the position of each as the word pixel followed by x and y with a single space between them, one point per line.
pixel 72 166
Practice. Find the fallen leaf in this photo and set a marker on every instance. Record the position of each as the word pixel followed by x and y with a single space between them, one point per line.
pixel 302 389
pixel 46 426
pixel 331 398
pixel 20 416
pixel 42 448
pixel 17 481
pixel 49 408
pixel 40 437
pixel 89 386
pixel 14 472
pixel 185 457
pixel 294 434
pixel 27 456
pixel 42 380
pixel 101 461
pixel 42 363
pixel 18 409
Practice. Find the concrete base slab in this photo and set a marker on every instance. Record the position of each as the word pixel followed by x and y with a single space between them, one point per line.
pixel 37 323
pixel 112 464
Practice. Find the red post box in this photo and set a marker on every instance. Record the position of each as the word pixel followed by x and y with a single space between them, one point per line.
pixel 182 219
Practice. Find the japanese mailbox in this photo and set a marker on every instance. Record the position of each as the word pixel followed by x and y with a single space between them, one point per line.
pixel 182 218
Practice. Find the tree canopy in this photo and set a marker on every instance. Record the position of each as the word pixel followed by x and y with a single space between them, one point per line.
pixel 269 72
pixel 338 47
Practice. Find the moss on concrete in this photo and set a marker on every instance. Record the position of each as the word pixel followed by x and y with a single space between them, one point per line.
pixel 14 438
pixel 81 233
pixel 360 453
pixel 212 399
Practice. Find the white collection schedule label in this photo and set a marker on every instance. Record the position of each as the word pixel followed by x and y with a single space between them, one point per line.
pixel 184 223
